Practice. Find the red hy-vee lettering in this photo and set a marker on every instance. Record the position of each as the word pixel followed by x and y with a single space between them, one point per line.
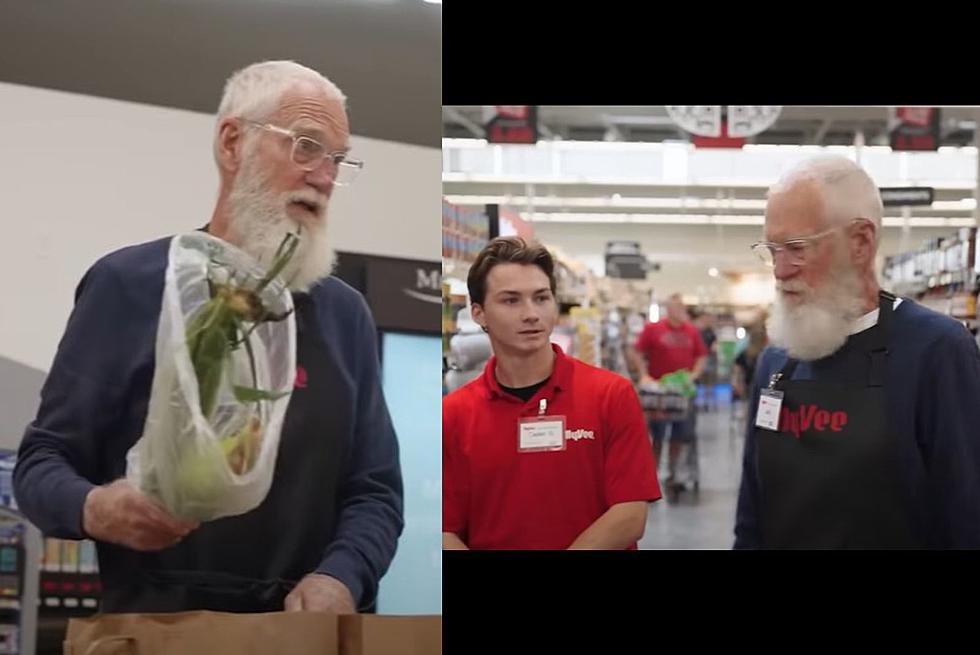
pixel 806 417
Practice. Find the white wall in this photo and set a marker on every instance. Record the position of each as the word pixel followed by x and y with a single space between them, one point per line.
pixel 81 176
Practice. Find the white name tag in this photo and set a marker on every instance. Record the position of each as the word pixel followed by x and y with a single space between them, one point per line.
pixel 770 401
pixel 541 433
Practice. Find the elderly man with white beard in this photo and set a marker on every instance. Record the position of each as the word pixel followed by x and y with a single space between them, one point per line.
pixel 327 530
pixel 864 423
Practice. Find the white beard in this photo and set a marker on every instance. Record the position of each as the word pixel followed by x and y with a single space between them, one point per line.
pixel 259 222
pixel 820 324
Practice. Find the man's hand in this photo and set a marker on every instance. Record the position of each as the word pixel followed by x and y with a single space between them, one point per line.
pixel 620 527
pixel 320 593
pixel 451 541
pixel 119 513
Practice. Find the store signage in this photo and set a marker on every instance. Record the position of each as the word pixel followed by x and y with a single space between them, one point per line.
pixel 702 120
pixel 512 124
pixel 915 128
pixel 749 120
pixel 625 261
pixel 907 196
pixel 725 140
pixel 714 126
pixel 403 294
pixel 427 286
pixel 622 247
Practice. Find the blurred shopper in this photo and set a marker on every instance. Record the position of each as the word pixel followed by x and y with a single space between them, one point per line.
pixel 670 345
pixel 705 323
pixel 744 369
pixel 541 451
pixel 864 422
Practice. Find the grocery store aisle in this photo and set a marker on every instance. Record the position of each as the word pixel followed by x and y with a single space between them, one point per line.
pixel 704 520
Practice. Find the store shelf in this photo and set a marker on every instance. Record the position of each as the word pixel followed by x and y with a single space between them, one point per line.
pixel 455 268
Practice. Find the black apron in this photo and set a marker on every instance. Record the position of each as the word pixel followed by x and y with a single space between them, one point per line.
pixel 830 475
pixel 250 562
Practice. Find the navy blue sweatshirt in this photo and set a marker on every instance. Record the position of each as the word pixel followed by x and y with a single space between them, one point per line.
pixel 94 403
pixel 933 405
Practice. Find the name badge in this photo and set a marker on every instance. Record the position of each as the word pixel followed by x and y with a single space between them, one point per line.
pixel 770 401
pixel 541 433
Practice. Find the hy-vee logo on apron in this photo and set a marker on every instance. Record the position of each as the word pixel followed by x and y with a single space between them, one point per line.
pixel 805 417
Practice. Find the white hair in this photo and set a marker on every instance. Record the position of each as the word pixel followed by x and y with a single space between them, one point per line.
pixel 847 191
pixel 256 91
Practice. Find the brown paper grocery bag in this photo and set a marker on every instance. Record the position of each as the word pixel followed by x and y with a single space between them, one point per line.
pixel 203 633
pixel 369 634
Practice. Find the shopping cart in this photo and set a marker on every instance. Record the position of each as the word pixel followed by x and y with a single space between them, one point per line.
pixel 661 405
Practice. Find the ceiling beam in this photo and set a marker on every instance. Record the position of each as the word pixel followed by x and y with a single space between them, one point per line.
pixel 455 115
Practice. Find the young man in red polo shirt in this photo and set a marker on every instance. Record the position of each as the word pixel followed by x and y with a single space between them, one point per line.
pixel 541 451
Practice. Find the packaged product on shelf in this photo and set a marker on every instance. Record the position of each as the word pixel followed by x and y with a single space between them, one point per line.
pixel 88 562
pixel 69 556
pixel 469 351
pixel 587 322
pixel 52 555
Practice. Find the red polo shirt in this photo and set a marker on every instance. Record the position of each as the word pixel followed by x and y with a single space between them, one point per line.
pixel 495 497
pixel 669 348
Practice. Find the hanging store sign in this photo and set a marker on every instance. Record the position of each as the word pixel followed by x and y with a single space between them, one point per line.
pixel 714 126
pixel 915 128
pixel 726 140
pixel 745 120
pixel 403 294
pixel 907 196
pixel 701 120
pixel 512 124
pixel 625 261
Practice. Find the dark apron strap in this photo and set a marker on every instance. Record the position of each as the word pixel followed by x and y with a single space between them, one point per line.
pixel 776 380
pixel 878 353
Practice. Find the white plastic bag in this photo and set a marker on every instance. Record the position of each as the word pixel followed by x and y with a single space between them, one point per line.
pixel 179 460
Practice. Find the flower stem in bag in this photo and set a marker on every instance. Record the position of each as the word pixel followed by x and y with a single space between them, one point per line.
pixel 219 328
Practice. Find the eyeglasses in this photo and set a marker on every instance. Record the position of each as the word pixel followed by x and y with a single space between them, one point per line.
pixel 798 250
pixel 308 154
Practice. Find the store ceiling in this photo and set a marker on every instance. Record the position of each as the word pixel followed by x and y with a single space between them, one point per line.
pixel 796 125
pixel 676 221
pixel 385 54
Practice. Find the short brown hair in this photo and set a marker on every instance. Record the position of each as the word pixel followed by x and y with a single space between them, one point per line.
pixel 507 250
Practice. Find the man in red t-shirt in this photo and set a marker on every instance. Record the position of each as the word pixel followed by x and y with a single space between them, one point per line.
pixel 542 451
pixel 666 346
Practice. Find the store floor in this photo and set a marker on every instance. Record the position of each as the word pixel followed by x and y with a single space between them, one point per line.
pixel 704 520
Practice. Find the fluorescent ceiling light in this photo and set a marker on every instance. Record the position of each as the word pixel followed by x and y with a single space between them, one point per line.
pixel 646 219
pixel 679 204
pixel 716 219
pixel 928 221
pixel 964 204
pixel 464 143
